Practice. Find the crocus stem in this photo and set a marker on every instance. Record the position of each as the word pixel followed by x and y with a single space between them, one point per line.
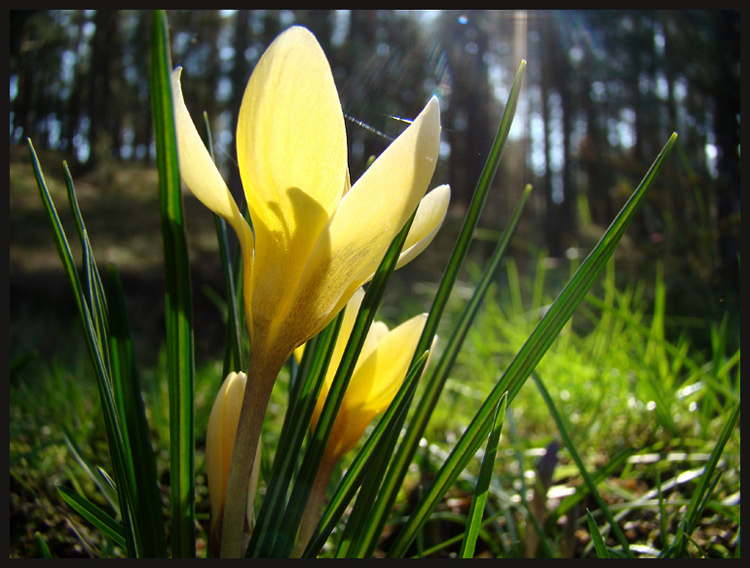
pixel 314 506
pixel 254 403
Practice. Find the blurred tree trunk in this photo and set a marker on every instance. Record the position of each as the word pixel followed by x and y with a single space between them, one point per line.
pixel 466 115
pixel 76 99
pixel 103 53
pixel 726 103
pixel 550 84
pixel 22 104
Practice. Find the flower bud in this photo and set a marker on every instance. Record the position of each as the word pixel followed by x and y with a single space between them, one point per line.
pixel 220 435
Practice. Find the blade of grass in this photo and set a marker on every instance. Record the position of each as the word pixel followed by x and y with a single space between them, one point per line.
pixel 233 359
pixel 573 451
pixel 445 477
pixel 43 548
pixel 552 322
pixel 178 298
pixel 596 537
pixel 140 461
pixel 379 505
pixel 94 289
pixel 476 510
pixel 92 513
pixel 582 491
pixel 106 490
pixel 355 473
pixel 698 499
pixel 101 369
pixel 317 445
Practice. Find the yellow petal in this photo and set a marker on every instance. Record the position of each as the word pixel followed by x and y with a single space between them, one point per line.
pixel 427 222
pixel 220 435
pixel 292 156
pixel 198 170
pixel 374 384
pixel 291 137
pixel 381 375
pixel 368 218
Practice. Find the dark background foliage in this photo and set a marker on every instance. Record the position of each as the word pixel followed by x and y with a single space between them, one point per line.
pixel 603 92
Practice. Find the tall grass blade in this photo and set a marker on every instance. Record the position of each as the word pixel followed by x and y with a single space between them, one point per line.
pixel 317 445
pixel 100 363
pixel 456 462
pixel 378 510
pixel 109 494
pixel 94 289
pixel 92 513
pixel 233 359
pixel 476 510
pixel 43 548
pixel 178 298
pixel 140 461
pixel 355 473
pixel 573 451
pixel 676 549
pixel 596 537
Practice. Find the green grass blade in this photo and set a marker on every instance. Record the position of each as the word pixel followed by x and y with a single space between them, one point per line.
pixel 319 439
pixel 106 489
pixel 379 511
pixel 352 479
pixel 94 289
pixel 476 510
pixel 43 548
pixel 140 461
pixel 233 359
pixel 699 497
pixel 596 537
pixel 101 369
pixel 573 451
pixel 179 316
pixel 614 464
pixel 93 514
pixel 456 462
pixel 314 364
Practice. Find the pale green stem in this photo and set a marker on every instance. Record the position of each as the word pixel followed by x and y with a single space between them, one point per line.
pixel 314 506
pixel 260 381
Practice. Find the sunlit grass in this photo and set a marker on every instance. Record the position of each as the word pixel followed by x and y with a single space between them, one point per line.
pixel 614 374
pixel 610 388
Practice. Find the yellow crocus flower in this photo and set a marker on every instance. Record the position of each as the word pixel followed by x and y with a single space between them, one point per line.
pixel 220 435
pixel 315 238
pixel 378 373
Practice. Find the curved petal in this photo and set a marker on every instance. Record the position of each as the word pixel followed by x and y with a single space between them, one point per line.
pixel 220 434
pixel 427 222
pixel 369 216
pixel 382 375
pixel 374 384
pixel 198 170
pixel 292 156
pixel 291 137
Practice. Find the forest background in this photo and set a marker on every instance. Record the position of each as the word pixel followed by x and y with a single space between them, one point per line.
pixel 603 91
